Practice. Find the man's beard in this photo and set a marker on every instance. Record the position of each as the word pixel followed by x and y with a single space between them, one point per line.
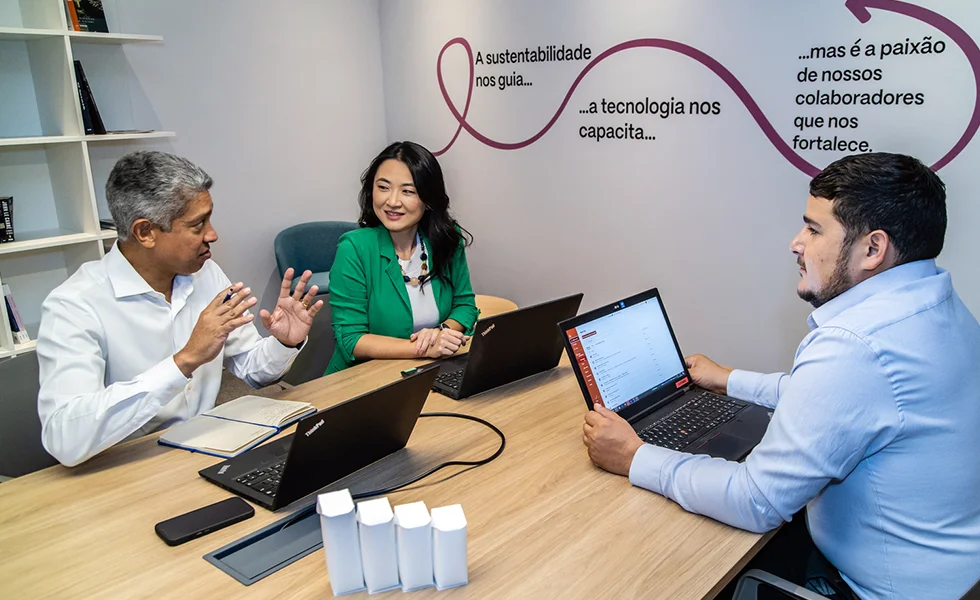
pixel 837 285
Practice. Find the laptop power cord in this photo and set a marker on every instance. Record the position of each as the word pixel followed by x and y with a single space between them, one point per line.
pixel 306 511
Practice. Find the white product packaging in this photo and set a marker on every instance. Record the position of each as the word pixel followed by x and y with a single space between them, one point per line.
pixel 449 560
pixel 413 531
pixel 376 526
pixel 341 544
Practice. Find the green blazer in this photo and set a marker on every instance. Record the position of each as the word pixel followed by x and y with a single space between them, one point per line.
pixel 367 293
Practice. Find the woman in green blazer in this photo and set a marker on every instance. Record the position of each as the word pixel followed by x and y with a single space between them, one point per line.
pixel 399 285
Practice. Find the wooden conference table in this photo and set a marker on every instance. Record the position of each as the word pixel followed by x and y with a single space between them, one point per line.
pixel 543 522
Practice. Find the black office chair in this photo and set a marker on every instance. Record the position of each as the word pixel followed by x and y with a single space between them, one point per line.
pixel 754 579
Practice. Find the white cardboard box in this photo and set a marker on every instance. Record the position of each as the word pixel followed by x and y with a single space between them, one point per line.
pixel 449 560
pixel 376 526
pixel 341 544
pixel 413 532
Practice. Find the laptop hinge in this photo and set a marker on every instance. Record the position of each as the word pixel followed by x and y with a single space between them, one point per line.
pixel 677 394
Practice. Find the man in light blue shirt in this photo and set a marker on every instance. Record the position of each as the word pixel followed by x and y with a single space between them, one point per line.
pixel 876 430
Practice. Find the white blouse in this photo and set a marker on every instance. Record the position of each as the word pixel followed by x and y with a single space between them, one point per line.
pixel 425 313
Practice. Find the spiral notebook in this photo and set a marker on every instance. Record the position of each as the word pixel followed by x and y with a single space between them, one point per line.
pixel 234 427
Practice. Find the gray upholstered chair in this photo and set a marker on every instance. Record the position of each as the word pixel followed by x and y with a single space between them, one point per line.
pixel 312 246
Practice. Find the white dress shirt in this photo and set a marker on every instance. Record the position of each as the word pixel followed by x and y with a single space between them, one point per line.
pixel 425 313
pixel 105 349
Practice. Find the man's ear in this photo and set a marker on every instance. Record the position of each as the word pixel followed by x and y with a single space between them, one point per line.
pixel 877 252
pixel 144 232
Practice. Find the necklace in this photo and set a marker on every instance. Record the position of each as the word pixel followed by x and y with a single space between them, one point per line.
pixel 424 272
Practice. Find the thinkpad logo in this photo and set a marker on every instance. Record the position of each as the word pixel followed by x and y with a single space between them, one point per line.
pixel 488 329
pixel 314 428
pixel 222 470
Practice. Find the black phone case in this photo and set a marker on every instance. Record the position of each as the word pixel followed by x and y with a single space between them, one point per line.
pixel 203 521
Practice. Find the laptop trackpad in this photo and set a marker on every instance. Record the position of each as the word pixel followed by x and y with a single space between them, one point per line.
pixel 725 445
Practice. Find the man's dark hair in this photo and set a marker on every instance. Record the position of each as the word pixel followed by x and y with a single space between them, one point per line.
pixel 891 192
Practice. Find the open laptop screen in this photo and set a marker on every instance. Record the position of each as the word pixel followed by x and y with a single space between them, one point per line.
pixel 626 353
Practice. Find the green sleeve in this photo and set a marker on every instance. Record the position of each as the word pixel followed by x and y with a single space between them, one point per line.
pixel 348 299
pixel 464 310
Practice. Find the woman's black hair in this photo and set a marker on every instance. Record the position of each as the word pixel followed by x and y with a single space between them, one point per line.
pixel 439 227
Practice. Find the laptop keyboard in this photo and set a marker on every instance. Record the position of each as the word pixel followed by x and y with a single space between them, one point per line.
pixel 451 379
pixel 702 413
pixel 264 480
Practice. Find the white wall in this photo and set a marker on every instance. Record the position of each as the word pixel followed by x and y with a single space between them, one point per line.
pixel 281 104
pixel 707 210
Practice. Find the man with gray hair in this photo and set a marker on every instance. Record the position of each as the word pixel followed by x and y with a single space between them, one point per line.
pixel 135 342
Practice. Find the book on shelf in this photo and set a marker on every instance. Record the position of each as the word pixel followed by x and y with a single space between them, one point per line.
pixel 13 316
pixel 234 427
pixel 6 219
pixel 107 224
pixel 72 15
pixel 86 114
pixel 86 15
pixel 91 118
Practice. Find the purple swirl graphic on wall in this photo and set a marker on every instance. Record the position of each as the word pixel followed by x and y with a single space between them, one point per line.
pixel 858 7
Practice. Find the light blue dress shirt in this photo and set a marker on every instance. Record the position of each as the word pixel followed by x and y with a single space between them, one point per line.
pixel 876 431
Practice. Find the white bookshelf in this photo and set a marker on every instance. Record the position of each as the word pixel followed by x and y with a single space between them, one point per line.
pixel 54 238
pixel 45 140
pixel 119 137
pixel 45 163
pixel 38 140
pixel 112 38
pixel 24 33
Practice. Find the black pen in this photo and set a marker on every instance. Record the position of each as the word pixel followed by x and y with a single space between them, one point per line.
pixel 227 296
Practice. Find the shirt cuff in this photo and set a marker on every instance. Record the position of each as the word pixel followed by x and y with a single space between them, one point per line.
pixel 164 376
pixel 744 385
pixel 647 465
pixel 281 352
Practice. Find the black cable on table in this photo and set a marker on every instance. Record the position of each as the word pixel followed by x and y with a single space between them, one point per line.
pixel 304 512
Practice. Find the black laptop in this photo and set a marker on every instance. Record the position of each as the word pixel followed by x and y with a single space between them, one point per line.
pixel 626 358
pixel 507 347
pixel 327 445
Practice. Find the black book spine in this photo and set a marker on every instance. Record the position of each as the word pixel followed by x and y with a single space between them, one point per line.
pixel 91 16
pixel 86 115
pixel 98 127
pixel 7 219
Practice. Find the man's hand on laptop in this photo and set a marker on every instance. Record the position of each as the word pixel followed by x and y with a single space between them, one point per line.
pixel 708 374
pixel 610 439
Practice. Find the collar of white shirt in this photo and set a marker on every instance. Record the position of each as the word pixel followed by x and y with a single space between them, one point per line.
pixel 126 281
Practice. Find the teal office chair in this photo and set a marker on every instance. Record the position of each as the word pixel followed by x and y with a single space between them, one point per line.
pixel 312 246
pixel 754 579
